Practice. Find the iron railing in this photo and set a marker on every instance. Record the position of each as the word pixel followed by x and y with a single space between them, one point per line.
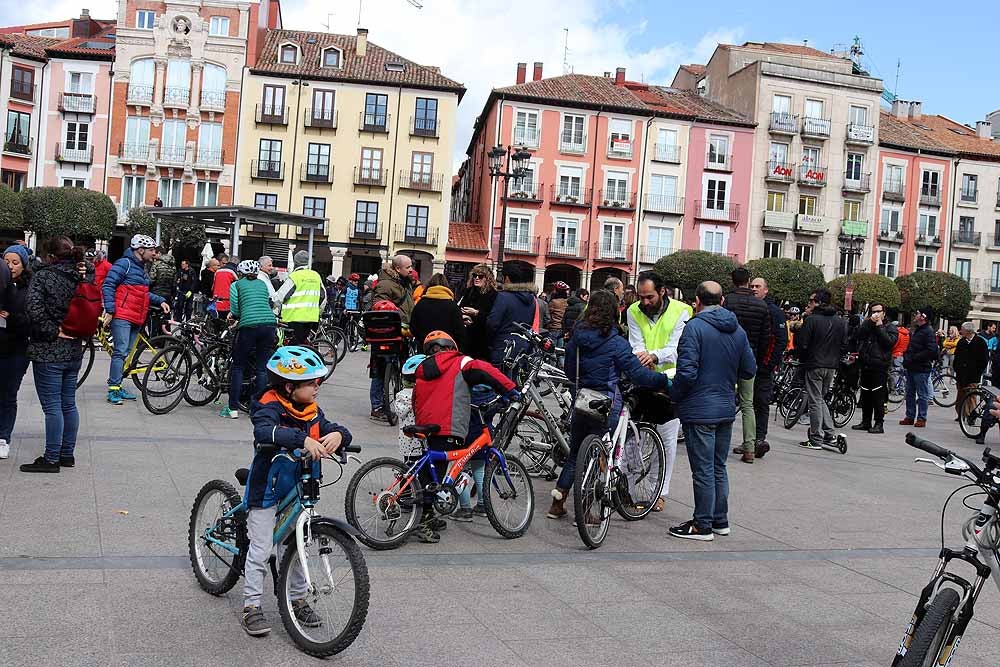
pixel 418 180
pixel 322 118
pixel 781 172
pixel 966 237
pixel 710 210
pixel 374 122
pixel 667 153
pixel 376 178
pixel 19 145
pixel 267 170
pixel 857 182
pixel 139 93
pixel 893 190
pixel 365 230
pixel 608 251
pixel 176 96
pixel 133 152
pixel 425 127
pixel 415 234
pixel 77 102
pixel 523 190
pixel 78 155
pixel 565 248
pixel 213 99
pixel 617 199
pixel 515 246
pixel 783 123
pixel 664 204
pixel 316 173
pixel 270 114
pixel 570 196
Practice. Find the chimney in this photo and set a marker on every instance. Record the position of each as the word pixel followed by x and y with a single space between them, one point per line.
pixel 900 108
pixel 620 76
pixel 984 129
pixel 537 74
pixel 916 109
pixel 522 71
pixel 85 14
pixel 362 42
pixel 607 75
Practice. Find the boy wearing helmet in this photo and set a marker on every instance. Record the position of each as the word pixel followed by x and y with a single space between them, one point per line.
pixel 352 294
pixel 250 307
pixel 287 417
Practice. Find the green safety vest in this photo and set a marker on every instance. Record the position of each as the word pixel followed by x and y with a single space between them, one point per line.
pixel 303 304
pixel 656 335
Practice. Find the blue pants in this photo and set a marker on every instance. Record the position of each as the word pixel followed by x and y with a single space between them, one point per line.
pixel 56 387
pixel 12 370
pixel 260 341
pixel 707 447
pixel 124 334
pixel 918 394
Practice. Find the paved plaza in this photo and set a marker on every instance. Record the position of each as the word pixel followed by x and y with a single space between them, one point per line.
pixel 823 565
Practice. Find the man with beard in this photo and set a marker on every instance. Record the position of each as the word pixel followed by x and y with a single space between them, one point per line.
pixel 763 383
pixel 655 324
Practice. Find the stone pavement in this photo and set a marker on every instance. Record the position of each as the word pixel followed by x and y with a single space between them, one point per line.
pixel 823 566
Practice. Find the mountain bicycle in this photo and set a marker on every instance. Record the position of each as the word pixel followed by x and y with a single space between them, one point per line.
pixel 135 363
pixel 944 388
pixel 975 406
pixel 947 602
pixel 384 332
pixel 321 548
pixel 385 498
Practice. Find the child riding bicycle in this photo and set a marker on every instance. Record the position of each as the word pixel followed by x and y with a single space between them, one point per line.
pixel 288 417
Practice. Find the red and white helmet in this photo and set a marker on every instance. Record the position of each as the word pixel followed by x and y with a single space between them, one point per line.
pixel 384 304
pixel 560 286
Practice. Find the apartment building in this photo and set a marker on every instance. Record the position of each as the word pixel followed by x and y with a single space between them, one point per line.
pixel 22 73
pixel 817 126
pixel 338 127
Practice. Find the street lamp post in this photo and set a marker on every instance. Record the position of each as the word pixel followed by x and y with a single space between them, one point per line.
pixel 853 247
pixel 518 165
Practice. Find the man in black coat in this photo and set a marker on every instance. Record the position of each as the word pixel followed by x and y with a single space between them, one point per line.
pixel 820 343
pixel 971 357
pixel 754 318
pixel 763 383
pixel 874 339
pixel 917 361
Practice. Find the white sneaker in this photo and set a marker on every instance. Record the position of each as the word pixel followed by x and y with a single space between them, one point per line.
pixel 4 449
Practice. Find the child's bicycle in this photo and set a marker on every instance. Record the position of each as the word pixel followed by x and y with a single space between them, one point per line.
pixel 333 566
pixel 384 500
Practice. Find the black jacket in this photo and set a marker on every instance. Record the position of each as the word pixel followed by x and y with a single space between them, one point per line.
pixel 574 307
pixel 206 282
pixel 754 318
pixel 970 361
pixel 874 344
pixel 437 311
pixel 779 336
pixel 477 343
pixel 47 302
pixel 822 339
pixel 14 337
pixel 187 280
pixel 922 351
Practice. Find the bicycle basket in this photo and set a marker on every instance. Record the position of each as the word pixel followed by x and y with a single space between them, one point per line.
pixel 382 326
pixel 652 407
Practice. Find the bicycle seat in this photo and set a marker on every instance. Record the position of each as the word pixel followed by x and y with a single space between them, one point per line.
pixel 241 476
pixel 417 431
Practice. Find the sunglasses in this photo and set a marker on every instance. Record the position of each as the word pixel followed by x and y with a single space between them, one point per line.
pixel 478 276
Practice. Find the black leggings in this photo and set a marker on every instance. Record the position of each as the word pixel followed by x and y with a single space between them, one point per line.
pixel 873 394
pixel 437 444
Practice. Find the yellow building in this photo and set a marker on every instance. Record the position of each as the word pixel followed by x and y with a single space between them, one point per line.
pixel 340 128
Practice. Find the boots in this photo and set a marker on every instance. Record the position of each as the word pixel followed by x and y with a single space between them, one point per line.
pixel 557 511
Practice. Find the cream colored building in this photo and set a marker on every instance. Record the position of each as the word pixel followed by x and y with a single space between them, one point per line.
pixel 340 128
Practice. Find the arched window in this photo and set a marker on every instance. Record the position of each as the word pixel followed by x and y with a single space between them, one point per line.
pixel 331 57
pixel 213 86
pixel 178 90
pixel 140 81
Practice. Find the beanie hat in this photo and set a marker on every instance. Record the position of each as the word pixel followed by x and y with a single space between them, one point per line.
pixel 301 258
pixel 20 251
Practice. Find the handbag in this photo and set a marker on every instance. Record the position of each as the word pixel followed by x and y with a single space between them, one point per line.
pixel 590 403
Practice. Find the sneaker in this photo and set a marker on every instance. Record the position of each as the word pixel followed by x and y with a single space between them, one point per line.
pixel 425 534
pixel 378 415
pixel 861 427
pixel 254 623
pixel 115 397
pixel 747 456
pixel 479 510
pixel 738 450
pixel 762 449
pixel 920 423
pixel 721 530
pixel 877 428
pixel 229 412
pixel 463 514
pixel 689 531
pixel 305 614
pixel 40 465
pixel 126 394
pixel 67 461
pixel 808 444
pixel 4 449
pixel 906 421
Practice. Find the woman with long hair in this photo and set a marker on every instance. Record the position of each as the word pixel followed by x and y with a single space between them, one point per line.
pixel 437 311
pixel 476 304
pixel 13 341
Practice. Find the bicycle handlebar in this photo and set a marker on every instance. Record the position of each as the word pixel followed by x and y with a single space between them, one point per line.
pixel 949 456
pixel 928 446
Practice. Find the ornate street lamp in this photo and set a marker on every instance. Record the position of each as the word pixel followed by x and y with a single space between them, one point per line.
pixel 517 163
pixel 853 247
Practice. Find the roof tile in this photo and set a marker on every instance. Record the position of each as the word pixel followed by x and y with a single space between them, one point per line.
pixel 582 89
pixel 790 49
pixel 900 132
pixel 466 236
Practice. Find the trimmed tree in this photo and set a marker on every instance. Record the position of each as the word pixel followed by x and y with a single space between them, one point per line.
pixel 787 279
pixel 11 210
pixel 172 234
pixel 83 215
pixel 947 294
pixel 686 269
pixel 868 288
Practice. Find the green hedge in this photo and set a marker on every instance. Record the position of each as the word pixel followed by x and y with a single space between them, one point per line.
pixel 172 234
pixel 948 294
pixel 74 212
pixel 11 210
pixel 868 287
pixel 686 269
pixel 787 279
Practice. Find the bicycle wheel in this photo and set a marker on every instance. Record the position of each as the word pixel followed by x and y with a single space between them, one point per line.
pixel 593 515
pixel 163 382
pixel 327 351
pixel 89 352
pixel 509 499
pixel 842 408
pixel 897 385
pixel 217 568
pixel 534 446
pixel 974 408
pixel 794 405
pixel 338 594
pixel 337 336
pixel 930 635
pixel 391 385
pixel 945 389
pixel 145 350
pixel 203 385
pixel 375 508
pixel 643 471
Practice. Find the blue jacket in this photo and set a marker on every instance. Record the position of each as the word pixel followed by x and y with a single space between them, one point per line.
pixel 604 359
pixel 126 271
pixel 516 303
pixel 712 354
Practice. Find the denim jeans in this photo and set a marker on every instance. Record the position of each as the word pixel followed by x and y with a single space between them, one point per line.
pixel 12 370
pixel 375 393
pixel 707 448
pixel 124 334
pixel 260 341
pixel 56 387
pixel 918 394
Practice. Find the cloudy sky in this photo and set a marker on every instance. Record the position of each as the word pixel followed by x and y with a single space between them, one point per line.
pixel 943 56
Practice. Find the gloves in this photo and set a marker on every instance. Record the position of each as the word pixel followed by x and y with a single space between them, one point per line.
pixel 512 396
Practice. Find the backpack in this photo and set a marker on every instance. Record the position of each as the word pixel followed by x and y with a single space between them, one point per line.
pixel 84 310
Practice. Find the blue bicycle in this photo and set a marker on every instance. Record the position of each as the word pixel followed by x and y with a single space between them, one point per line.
pixel 320 548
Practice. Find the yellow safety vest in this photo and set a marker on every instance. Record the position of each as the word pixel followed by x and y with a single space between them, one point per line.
pixel 657 334
pixel 303 304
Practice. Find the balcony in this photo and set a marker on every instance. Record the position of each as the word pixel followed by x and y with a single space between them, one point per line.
pixel 779 172
pixel 993 241
pixel 373 178
pixel 418 180
pixel 812 175
pixel 966 238
pixel 209 158
pixel 929 238
pixel 172 155
pixel 415 235
pixel 854 228
pixel 269 114
pixel 376 123
pixel 19 145
pixel 893 190
pixel 710 210
pixel 620 149
pixel 857 182
pixel 815 128
pixel 526 136
pixel 322 119
pixel 890 235
pixel 77 102
pixel 860 135
pixel 514 246
pixel 133 153
pixel 615 253
pixel 930 197
pixel 664 204
pixel 667 153
pixel 77 155
pixel 175 96
pixel 783 123
pixel 969 197
pixel 425 127
pixel 651 254
pixel 362 230
pixel 524 191
pixel 316 173
pixel 575 145
pixel 718 162
pixel 22 91
pixel 779 221
pixel 570 196
pixel 811 224
pixel 571 249
pixel 267 170
pixel 619 200
pixel 139 93
pixel 213 100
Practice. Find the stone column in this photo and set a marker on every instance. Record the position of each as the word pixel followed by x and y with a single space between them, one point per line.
pixel 540 277
pixel 437 266
pixel 337 256
pixel 159 81
pixel 194 99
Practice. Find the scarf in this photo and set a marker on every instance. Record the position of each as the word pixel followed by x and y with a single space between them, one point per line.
pixel 307 413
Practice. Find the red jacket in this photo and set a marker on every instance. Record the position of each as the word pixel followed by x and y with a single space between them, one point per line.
pixel 101 272
pixel 224 277
pixel 902 342
pixel 441 395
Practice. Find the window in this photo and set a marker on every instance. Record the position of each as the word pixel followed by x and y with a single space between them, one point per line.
pixel 73 183
pixel 718 150
pixel 178 88
pixel 80 82
pixel 518 233
pixel 22 83
pixel 266 201
pixel 318 161
pixel 776 201
pixel 133 192
pixel 375 110
pixel 779 153
pixel 970 187
pixel 887 263
pixel 616 189
pixel 17 132
pixel 966 224
pixel 814 109
pixel 421 166
pixel 927 225
pixel 715 194
pixel 213 86
pixel 713 240
pixel 366 218
pixel 995 277
pixel 660 242
pixel 206 193
pixel 173 141
pixel 425 116
pixel 565 235
pixel 136 137
pixel 371 165
pixel 620 137
pixel 893 177
pixel 140 81
pixel 77 136
pixel 210 143
pixel 416 222
pixel 929 184
pixel 49 32
pixel 170 191
pixel 847 262
pixel 570 182
pixel 524 187
pixel 855 166
pixel 526 128
pixel 889 225
pixel 274 101
pixel 963 268
pixel 804 252
pixel 571 138
pixel 612 240
pixel 145 19
pixel 858 115
pixel 807 204
pixel 288 54
pixel 925 263
pixel 852 210
pixel 772 249
pixel 781 104
pixel 12 179
pixel 322 109
pixel 331 58
pixel 269 157
pixel 663 192
pixel 810 158
pixel 314 206
pixel 219 26
pixel 666 145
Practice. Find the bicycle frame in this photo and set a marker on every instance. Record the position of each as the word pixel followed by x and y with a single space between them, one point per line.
pixel 104 338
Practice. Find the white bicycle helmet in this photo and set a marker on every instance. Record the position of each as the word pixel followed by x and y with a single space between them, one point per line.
pixel 142 241
pixel 248 267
